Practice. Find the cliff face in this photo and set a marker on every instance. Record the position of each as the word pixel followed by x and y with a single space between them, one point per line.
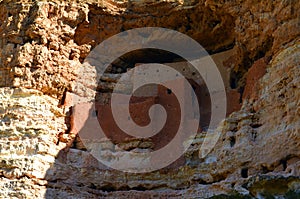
pixel 255 45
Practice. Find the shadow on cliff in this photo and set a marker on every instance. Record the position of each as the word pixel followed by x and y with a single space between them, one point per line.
pixel 77 174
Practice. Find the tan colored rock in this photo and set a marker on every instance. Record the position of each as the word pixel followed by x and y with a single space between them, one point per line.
pixel 43 45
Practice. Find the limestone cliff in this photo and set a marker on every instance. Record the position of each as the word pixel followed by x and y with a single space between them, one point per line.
pixel 255 45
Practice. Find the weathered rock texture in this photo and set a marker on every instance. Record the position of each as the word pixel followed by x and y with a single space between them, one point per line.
pixel 43 43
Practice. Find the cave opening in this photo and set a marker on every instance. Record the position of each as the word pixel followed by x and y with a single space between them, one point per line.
pixel 156 94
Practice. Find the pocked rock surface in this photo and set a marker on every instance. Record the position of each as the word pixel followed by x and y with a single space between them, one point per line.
pixel 255 45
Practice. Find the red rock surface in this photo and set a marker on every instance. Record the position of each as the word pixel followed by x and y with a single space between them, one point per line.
pixel 254 74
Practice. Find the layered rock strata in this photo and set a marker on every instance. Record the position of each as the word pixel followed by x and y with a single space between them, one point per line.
pixel 256 45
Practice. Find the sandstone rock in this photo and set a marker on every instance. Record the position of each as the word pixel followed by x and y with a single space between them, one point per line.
pixel 43 45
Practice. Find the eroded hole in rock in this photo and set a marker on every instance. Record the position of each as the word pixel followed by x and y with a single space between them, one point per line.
pixel 255 125
pixel 232 141
pixel 108 188
pixel 253 135
pixel 283 162
pixel 233 80
pixel 147 55
pixel 244 172
pixel 264 48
